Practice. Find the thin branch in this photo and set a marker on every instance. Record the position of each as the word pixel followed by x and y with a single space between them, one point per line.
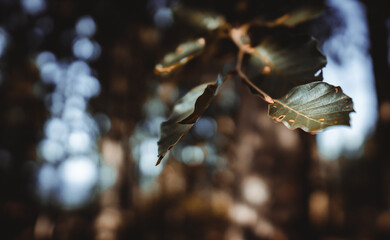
pixel 236 34
pixel 264 95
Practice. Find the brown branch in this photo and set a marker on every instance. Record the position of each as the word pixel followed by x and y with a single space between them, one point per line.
pixel 236 34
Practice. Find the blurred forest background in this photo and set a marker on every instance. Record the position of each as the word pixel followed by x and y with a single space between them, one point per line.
pixel 80 111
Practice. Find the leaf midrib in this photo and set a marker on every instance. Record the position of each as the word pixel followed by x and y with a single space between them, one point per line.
pixel 286 106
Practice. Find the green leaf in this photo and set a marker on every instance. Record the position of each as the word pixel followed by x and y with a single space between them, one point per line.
pixel 185 113
pixel 183 53
pixel 312 107
pixel 281 62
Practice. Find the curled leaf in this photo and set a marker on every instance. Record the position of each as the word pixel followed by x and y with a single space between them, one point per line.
pixel 183 53
pixel 185 113
pixel 312 107
pixel 280 63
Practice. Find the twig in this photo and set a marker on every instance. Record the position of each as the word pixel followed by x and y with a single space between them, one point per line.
pixel 236 34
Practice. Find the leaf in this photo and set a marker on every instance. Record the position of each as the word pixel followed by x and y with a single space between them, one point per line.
pixel 295 17
pixel 312 107
pixel 183 53
pixel 202 19
pixel 281 62
pixel 185 113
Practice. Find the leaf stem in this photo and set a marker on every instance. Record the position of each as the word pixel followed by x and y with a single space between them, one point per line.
pixel 236 34
pixel 264 95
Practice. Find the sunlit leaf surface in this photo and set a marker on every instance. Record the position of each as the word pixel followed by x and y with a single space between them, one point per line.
pixel 312 107
pixel 184 53
pixel 202 19
pixel 185 113
pixel 280 63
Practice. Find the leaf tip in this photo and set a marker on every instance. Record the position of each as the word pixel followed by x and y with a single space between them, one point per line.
pixel 160 158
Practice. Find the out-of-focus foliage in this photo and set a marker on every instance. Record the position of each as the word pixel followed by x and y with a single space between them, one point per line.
pixel 184 53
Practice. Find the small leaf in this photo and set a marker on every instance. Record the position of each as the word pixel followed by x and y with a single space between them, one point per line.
pixel 295 17
pixel 312 107
pixel 185 113
pixel 184 53
pixel 202 19
pixel 281 62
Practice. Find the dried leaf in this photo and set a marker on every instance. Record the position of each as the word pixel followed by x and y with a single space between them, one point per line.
pixel 184 53
pixel 312 107
pixel 281 62
pixel 185 113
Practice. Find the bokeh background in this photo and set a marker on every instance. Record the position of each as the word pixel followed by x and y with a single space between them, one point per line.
pixel 80 111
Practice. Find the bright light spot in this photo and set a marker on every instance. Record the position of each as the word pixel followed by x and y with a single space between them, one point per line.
pixel 319 207
pixel 192 155
pixel 51 150
pixel 50 72
pixel 47 181
pixel 79 142
pixel 87 86
pixel 76 102
pixel 80 120
pixel 56 129
pixel 78 177
pixel 243 214
pixel 79 170
pixel 3 41
pixel 55 102
pixel 73 115
pixel 205 127
pixel 33 7
pixel 355 76
pixel 163 17
pixel 78 68
pixel 254 190
pixel 44 57
pixel 86 26
pixel 84 48
pixel 97 52
pixel 148 157
pixel 112 152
